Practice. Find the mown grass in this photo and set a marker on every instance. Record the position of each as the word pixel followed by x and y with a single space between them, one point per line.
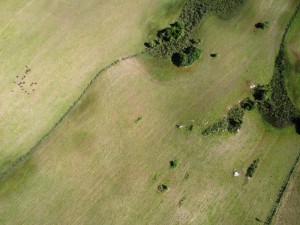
pixel 99 165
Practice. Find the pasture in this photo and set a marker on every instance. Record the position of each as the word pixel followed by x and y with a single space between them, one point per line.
pixel 104 162
pixel 64 44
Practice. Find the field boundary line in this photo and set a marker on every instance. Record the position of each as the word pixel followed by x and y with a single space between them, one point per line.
pixel 281 192
pixel 13 166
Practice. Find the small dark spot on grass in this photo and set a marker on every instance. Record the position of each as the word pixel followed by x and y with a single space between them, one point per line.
pixel 191 127
pixel 138 119
pixel 181 201
pixel 214 55
pixel 187 176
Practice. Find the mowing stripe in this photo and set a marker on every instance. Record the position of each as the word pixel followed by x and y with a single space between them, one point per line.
pixel 27 155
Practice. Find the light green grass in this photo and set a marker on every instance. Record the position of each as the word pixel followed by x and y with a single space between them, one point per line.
pixel 99 165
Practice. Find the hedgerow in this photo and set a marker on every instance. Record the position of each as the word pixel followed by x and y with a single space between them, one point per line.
pixel 274 103
pixel 231 123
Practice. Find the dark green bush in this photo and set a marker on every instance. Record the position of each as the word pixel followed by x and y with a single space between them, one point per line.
pixel 247 104
pixel 297 124
pixel 174 163
pixel 251 169
pixel 235 119
pixel 187 57
pixel 262 25
pixel 172 33
pixel 162 187
pixel 261 92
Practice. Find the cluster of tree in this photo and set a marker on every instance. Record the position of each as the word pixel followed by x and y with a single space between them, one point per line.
pixel 187 57
pixel 176 42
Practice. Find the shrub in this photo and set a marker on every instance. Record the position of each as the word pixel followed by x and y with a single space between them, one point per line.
pixel 235 119
pixel 247 104
pixel 261 92
pixel 174 163
pixel 262 25
pixel 251 169
pixel 162 187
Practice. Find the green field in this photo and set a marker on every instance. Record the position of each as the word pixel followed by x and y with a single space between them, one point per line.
pixel 102 165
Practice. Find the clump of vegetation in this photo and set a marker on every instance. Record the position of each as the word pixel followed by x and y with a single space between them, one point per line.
pixel 261 25
pixel 251 169
pixel 218 127
pixel 187 57
pixel 187 176
pixel 174 163
pixel 247 104
pixel 214 55
pixel 261 92
pixel 138 119
pixel 172 33
pixel 235 119
pixel 175 41
pixel 181 201
pixel 162 188
pixel 231 123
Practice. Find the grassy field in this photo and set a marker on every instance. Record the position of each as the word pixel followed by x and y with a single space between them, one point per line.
pixel 102 166
pixel 64 44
